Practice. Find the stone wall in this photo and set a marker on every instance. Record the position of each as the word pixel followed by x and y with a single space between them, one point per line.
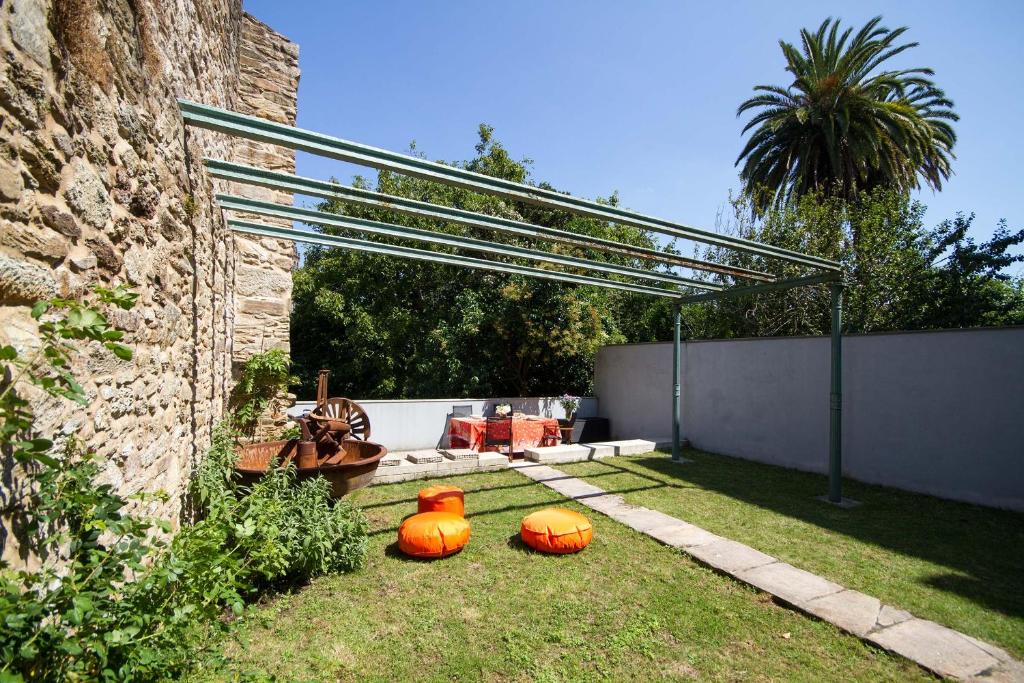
pixel 100 183
pixel 268 88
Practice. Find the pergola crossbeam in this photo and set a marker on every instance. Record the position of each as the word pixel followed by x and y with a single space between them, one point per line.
pixel 286 182
pixel 752 290
pixel 271 209
pixel 262 130
pixel 367 246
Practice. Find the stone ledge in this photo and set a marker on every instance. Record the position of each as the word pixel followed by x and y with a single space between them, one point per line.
pixel 432 464
pixel 462 454
pixel 628 447
pixel 567 453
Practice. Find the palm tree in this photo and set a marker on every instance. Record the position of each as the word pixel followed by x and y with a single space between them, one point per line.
pixel 843 125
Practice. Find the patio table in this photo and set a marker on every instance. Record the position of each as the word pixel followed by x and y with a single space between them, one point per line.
pixel 527 432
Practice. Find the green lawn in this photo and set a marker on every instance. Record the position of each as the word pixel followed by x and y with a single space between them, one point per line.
pixel 960 565
pixel 626 608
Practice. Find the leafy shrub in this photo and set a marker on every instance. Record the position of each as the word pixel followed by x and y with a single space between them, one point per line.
pixel 113 599
pixel 264 375
pixel 292 431
pixel 280 528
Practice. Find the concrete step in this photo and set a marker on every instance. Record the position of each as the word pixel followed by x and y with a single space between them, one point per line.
pixel 627 447
pixel 568 453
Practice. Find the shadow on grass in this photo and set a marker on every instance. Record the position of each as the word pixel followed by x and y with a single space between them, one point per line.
pixel 392 550
pixel 515 542
pixel 983 546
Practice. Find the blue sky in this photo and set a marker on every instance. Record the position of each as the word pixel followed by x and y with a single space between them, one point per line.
pixel 638 97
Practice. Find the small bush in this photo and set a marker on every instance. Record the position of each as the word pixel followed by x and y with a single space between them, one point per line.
pixel 112 598
pixel 264 376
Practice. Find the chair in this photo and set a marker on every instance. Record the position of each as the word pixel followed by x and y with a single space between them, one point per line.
pixel 462 411
pixel 498 432
pixel 565 428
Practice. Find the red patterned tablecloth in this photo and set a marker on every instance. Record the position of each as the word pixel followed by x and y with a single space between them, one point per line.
pixel 468 432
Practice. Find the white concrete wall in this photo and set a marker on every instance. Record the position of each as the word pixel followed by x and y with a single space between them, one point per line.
pixel 422 423
pixel 934 412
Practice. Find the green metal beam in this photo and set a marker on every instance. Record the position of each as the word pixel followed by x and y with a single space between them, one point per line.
pixel 254 128
pixel 286 182
pixel 752 290
pixel 235 203
pixel 438 257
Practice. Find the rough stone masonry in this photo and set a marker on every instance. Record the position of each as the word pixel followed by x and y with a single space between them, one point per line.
pixel 100 183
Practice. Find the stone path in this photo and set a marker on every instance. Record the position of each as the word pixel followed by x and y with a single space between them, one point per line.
pixel 939 649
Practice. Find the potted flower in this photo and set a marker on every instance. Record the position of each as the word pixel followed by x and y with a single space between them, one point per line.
pixel 570 404
pixel 503 409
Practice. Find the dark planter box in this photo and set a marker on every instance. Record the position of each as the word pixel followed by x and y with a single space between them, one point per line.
pixel 589 429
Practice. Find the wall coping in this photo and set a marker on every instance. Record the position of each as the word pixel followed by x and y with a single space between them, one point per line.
pixel 451 400
pixel 846 335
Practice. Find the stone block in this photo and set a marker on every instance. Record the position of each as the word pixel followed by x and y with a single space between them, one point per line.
pixel 729 556
pixel 392 460
pixel 463 454
pixel 567 453
pixel 628 447
pixel 937 648
pixel 493 461
pixel 788 583
pixel 425 457
pixel 642 519
pixel 682 535
pixel 850 610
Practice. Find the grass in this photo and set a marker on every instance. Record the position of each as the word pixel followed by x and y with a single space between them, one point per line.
pixel 957 564
pixel 626 608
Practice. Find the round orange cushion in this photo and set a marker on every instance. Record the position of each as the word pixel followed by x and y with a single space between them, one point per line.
pixel 433 534
pixel 442 499
pixel 556 530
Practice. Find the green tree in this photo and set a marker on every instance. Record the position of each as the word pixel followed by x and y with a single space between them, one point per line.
pixel 967 283
pixel 389 327
pixel 846 123
pixel 903 276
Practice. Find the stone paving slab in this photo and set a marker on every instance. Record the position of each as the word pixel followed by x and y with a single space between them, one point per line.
pixel 939 649
pixel 729 556
pixel 642 519
pixel 605 503
pixel 788 583
pixel 850 610
pixel 682 535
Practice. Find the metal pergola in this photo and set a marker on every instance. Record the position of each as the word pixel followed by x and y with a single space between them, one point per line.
pixel 560 267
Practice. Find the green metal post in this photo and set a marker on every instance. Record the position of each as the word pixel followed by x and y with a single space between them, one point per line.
pixel 835 451
pixel 677 453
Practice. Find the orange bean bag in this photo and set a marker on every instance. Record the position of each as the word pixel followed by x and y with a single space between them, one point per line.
pixel 442 499
pixel 433 534
pixel 556 530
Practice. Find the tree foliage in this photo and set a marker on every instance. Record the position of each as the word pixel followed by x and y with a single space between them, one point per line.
pixel 846 123
pixel 903 276
pixel 389 327
pixel 393 328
